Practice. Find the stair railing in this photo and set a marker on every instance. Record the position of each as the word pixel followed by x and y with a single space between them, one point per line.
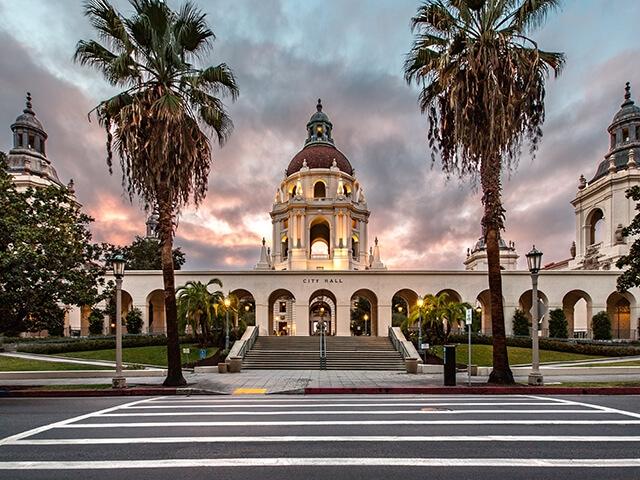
pixel 323 345
pixel 402 345
pixel 242 346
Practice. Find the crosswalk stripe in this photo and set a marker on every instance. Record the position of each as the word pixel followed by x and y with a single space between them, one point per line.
pixel 345 412
pixel 328 438
pixel 323 462
pixel 351 422
pixel 326 405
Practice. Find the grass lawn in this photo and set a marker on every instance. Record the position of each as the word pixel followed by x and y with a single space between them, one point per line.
pixel 156 355
pixel 482 355
pixel 13 364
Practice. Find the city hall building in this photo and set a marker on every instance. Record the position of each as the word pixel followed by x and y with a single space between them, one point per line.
pixel 321 257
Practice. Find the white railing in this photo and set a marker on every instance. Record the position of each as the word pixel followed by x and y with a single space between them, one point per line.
pixel 242 346
pixel 402 345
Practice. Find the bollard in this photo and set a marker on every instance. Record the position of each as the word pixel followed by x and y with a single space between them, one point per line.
pixel 450 365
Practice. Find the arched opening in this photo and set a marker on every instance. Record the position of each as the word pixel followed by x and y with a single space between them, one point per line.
pixel 355 247
pixel 452 295
pixel 85 311
pixel 156 312
pixel 244 309
pixel 483 303
pixel 619 310
pixel 284 247
pixel 526 302
pixel 595 227
pixel 364 312
pixel 126 306
pixel 322 311
pixel 577 307
pixel 402 303
pixel 320 235
pixel 281 317
pixel 319 189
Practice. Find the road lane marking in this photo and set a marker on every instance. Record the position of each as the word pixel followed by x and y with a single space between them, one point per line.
pixel 62 423
pixel 329 438
pixel 602 408
pixel 328 405
pixel 341 398
pixel 350 422
pixel 324 462
pixel 249 391
pixel 344 412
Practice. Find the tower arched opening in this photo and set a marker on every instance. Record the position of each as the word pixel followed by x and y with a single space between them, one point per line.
pixel 595 226
pixel 320 238
pixel 319 189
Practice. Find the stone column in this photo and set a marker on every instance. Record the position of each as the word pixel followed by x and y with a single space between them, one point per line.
pixel 343 319
pixel 262 319
pixel 384 319
pixel 301 320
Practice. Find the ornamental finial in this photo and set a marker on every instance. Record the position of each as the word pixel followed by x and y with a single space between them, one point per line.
pixel 29 108
pixel 319 106
pixel 627 91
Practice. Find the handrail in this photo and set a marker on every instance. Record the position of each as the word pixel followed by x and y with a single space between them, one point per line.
pixel 402 345
pixel 242 346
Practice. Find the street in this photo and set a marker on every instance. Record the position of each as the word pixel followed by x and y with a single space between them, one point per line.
pixel 339 437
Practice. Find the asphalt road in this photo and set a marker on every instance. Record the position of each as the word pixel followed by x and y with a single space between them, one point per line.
pixel 313 437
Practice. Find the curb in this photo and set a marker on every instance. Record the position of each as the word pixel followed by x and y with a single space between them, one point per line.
pixel 491 390
pixel 125 392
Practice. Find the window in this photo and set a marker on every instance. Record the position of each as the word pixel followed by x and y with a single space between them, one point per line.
pixel 613 140
pixel 319 190
pixel 283 307
pixel 32 141
pixel 625 134
pixel 595 224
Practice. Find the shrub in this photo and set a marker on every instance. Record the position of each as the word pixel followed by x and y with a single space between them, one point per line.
pixel 558 324
pixel 520 324
pixel 96 322
pixel 601 326
pixel 134 321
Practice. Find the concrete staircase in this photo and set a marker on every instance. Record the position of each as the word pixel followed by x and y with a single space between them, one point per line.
pixel 343 353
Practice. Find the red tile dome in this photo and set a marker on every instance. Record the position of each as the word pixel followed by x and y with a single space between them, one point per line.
pixel 319 155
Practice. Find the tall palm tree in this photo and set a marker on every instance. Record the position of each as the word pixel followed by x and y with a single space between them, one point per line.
pixel 196 306
pixel 154 122
pixel 482 87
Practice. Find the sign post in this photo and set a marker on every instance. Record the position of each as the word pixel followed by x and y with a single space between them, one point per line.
pixel 469 320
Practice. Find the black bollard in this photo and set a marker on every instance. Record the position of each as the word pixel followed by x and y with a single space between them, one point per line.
pixel 450 365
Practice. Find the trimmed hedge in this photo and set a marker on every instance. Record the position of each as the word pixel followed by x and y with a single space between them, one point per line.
pixel 103 343
pixel 556 346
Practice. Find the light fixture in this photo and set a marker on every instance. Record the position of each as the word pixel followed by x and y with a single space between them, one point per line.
pixel 227 302
pixel 420 302
pixel 246 308
pixel 118 263
pixel 400 308
pixel 366 317
pixel 534 260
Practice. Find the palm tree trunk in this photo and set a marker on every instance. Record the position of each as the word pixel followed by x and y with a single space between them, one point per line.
pixel 165 222
pixel 492 223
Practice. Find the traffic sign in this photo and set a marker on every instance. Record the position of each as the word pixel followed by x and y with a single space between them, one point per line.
pixel 468 316
pixel 542 310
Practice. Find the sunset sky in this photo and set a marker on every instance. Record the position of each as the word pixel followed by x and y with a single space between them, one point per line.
pixel 286 55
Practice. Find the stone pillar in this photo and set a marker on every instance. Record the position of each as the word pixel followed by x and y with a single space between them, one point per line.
pixel 301 322
pixel 384 320
pixel 262 319
pixel 343 319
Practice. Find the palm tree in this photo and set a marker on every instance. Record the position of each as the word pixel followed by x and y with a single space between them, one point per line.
pixel 482 85
pixel 196 306
pixel 154 122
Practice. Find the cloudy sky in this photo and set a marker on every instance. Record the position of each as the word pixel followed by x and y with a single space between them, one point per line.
pixel 286 54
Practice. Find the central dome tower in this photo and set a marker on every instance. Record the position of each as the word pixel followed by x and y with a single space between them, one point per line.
pixel 320 213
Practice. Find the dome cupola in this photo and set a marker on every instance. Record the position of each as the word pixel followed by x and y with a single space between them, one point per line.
pixel 319 127
pixel 28 132
pixel 624 138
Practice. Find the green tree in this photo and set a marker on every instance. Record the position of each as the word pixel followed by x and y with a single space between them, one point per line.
pixel 482 85
pixel 47 258
pixel 154 122
pixel 144 254
pixel 439 315
pixel 601 326
pixel 197 307
pixel 359 309
pixel 96 322
pixel 520 324
pixel 558 326
pixel 631 276
pixel 133 320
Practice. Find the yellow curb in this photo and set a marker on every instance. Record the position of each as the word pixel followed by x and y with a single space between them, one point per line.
pixel 249 391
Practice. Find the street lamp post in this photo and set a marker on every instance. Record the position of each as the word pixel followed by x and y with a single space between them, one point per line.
pixel 534 260
pixel 227 304
pixel 366 322
pixel 118 263
pixel 420 305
